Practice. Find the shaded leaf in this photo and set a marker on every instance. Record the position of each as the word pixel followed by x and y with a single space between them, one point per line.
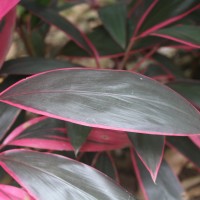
pixel 186 147
pixel 77 134
pixel 7 118
pixel 30 65
pixel 73 180
pixel 97 98
pixel 8 192
pixel 185 34
pixel 190 89
pixel 114 20
pixel 150 150
pixel 167 186
pixel 196 140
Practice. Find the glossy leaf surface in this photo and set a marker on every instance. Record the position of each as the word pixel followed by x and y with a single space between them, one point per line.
pixel 185 34
pixel 190 89
pixel 73 180
pixel 150 150
pixel 8 192
pixel 30 65
pixel 77 134
pixel 114 20
pixel 186 147
pixel 97 98
pixel 8 115
pixel 167 186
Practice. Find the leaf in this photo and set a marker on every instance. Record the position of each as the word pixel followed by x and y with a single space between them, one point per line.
pixel 73 180
pixel 48 133
pixel 167 186
pixel 6 29
pixel 30 65
pixel 109 99
pixel 190 89
pixel 8 192
pixel 185 146
pixel 52 17
pixel 150 150
pixel 7 118
pixel 78 135
pixel 196 140
pixel 185 34
pixel 114 20
pixel 6 6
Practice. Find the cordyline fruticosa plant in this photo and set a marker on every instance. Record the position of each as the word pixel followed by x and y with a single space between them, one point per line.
pixel 84 109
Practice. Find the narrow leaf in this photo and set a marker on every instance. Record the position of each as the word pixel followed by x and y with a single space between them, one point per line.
pixel 185 146
pixel 30 65
pixel 167 186
pixel 73 180
pixel 190 89
pixel 185 34
pixel 8 192
pixel 77 134
pixel 114 20
pixel 150 150
pixel 109 99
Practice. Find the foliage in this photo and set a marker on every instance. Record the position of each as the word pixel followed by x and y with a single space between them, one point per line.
pixel 142 101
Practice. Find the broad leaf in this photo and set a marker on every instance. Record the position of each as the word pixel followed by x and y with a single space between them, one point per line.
pixel 8 192
pixel 150 150
pixel 185 34
pixel 117 100
pixel 6 28
pixel 114 20
pixel 6 6
pixel 78 135
pixel 7 118
pixel 30 65
pixel 186 147
pixel 190 89
pixel 52 17
pixel 167 186
pixel 73 180
pixel 48 133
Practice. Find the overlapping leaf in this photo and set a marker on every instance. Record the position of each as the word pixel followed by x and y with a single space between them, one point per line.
pixel 150 150
pixel 73 180
pixel 108 99
pixel 167 186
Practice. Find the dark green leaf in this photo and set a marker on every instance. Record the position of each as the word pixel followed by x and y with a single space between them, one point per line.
pixel 150 150
pixel 49 176
pixel 114 20
pixel 78 135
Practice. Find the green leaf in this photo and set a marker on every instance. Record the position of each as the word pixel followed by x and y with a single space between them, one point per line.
pixel 150 150
pixel 118 100
pixel 114 20
pixel 49 176
pixel 77 134
pixel 185 34
pixel 190 89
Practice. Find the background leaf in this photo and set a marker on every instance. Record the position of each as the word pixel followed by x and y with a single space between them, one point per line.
pixel 131 106
pixel 73 180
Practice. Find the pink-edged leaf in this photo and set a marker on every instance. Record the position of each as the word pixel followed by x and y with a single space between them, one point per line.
pixel 52 17
pixel 8 192
pixel 186 147
pixel 48 133
pixel 6 6
pixel 196 140
pixel 7 118
pixel 150 150
pixel 110 99
pixel 167 186
pixel 40 172
pixel 185 34
pixel 78 135
pixel 6 28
